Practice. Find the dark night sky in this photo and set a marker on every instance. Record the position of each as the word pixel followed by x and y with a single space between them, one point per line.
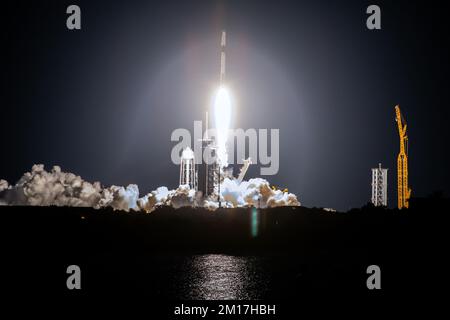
pixel 102 102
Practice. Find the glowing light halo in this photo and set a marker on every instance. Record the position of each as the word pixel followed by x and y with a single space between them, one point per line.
pixel 222 117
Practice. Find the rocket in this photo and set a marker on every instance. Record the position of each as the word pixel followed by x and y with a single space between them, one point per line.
pixel 222 56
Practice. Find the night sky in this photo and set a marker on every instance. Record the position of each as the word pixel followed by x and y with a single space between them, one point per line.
pixel 103 101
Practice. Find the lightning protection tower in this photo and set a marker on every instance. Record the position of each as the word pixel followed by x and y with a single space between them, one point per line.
pixel 379 186
pixel 187 169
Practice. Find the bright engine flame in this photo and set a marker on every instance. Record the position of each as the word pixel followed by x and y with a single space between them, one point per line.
pixel 222 114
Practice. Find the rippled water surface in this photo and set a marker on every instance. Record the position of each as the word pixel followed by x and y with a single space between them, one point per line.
pixel 217 276
pixel 211 276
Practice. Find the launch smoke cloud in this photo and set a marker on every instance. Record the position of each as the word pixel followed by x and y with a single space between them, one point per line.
pixel 258 146
pixel 57 188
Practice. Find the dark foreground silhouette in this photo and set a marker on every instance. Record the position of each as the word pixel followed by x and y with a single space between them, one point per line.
pixel 281 253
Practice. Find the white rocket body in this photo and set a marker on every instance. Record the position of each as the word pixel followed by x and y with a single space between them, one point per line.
pixel 222 56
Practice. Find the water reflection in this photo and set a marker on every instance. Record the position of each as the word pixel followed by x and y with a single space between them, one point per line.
pixel 218 276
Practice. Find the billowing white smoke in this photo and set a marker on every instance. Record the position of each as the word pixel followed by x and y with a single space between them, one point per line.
pixel 42 188
pixel 181 197
pixel 255 192
pixel 3 185
pixel 120 198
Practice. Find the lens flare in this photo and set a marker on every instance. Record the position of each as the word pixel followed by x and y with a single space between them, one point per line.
pixel 254 222
pixel 222 115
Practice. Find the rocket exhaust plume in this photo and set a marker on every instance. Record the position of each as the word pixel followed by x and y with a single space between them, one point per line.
pixel 222 109
pixel 222 113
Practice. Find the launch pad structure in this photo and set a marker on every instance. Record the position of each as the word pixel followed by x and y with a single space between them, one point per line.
pixel 203 177
pixel 206 171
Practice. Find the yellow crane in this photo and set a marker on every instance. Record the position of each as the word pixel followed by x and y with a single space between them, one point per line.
pixel 403 190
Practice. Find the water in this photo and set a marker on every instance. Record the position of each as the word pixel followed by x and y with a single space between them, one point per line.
pixel 208 276
pixel 218 276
